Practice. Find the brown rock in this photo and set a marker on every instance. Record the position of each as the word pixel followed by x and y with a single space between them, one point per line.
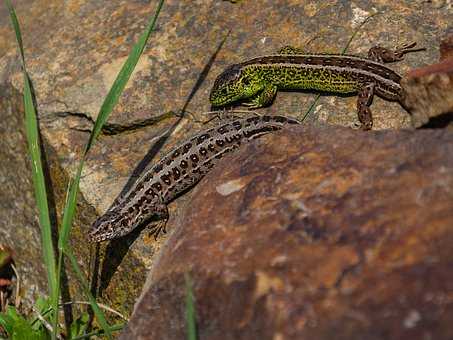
pixel 446 46
pixel 316 233
pixel 429 94
pixel 19 227
pixel 429 90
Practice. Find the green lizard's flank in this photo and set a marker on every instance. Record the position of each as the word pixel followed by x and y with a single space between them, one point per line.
pixel 256 81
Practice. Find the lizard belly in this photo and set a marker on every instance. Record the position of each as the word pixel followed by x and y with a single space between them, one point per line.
pixel 333 86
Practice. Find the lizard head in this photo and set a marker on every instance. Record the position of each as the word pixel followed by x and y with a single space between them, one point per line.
pixel 117 222
pixel 110 225
pixel 232 85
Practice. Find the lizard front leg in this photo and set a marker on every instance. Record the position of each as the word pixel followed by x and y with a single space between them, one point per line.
pixel 161 212
pixel 386 55
pixel 264 98
pixel 364 99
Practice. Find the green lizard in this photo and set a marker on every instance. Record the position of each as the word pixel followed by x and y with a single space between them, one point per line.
pixel 257 81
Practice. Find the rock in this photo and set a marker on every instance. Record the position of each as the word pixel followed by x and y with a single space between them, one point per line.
pixel 19 226
pixel 313 233
pixel 446 45
pixel 429 90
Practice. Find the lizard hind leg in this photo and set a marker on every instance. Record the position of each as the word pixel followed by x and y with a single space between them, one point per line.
pixel 364 99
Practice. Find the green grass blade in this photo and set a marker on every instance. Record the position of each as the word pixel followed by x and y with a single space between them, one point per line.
pixel 114 328
pixel 311 108
pixel 345 49
pixel 356 31
pixel 106 108
pixel 16 27
pixel 59 268
pixel 190 311
pixel 32 131
pixel 86 289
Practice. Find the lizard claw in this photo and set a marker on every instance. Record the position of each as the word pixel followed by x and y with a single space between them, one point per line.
pixel 407 48
pixel 157 228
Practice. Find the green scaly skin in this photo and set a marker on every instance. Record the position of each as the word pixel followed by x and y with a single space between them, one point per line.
pixel 255 82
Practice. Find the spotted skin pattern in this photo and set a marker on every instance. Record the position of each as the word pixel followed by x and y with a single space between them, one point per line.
pixel 178 171
pixel 258 80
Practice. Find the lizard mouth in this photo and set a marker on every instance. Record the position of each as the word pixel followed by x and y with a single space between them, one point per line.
pixel 222 100
pixel 217 98
pixel 101 235
pixel 95 237
pixel 104 227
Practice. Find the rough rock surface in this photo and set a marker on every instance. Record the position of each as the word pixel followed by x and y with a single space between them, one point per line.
pixel 429 90
pixel 19 227
pixel 429 94
pixel 74 50
pixel 316 233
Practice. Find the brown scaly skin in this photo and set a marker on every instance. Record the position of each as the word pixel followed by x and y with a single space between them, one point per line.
pixel 177 172
pixel 257 81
